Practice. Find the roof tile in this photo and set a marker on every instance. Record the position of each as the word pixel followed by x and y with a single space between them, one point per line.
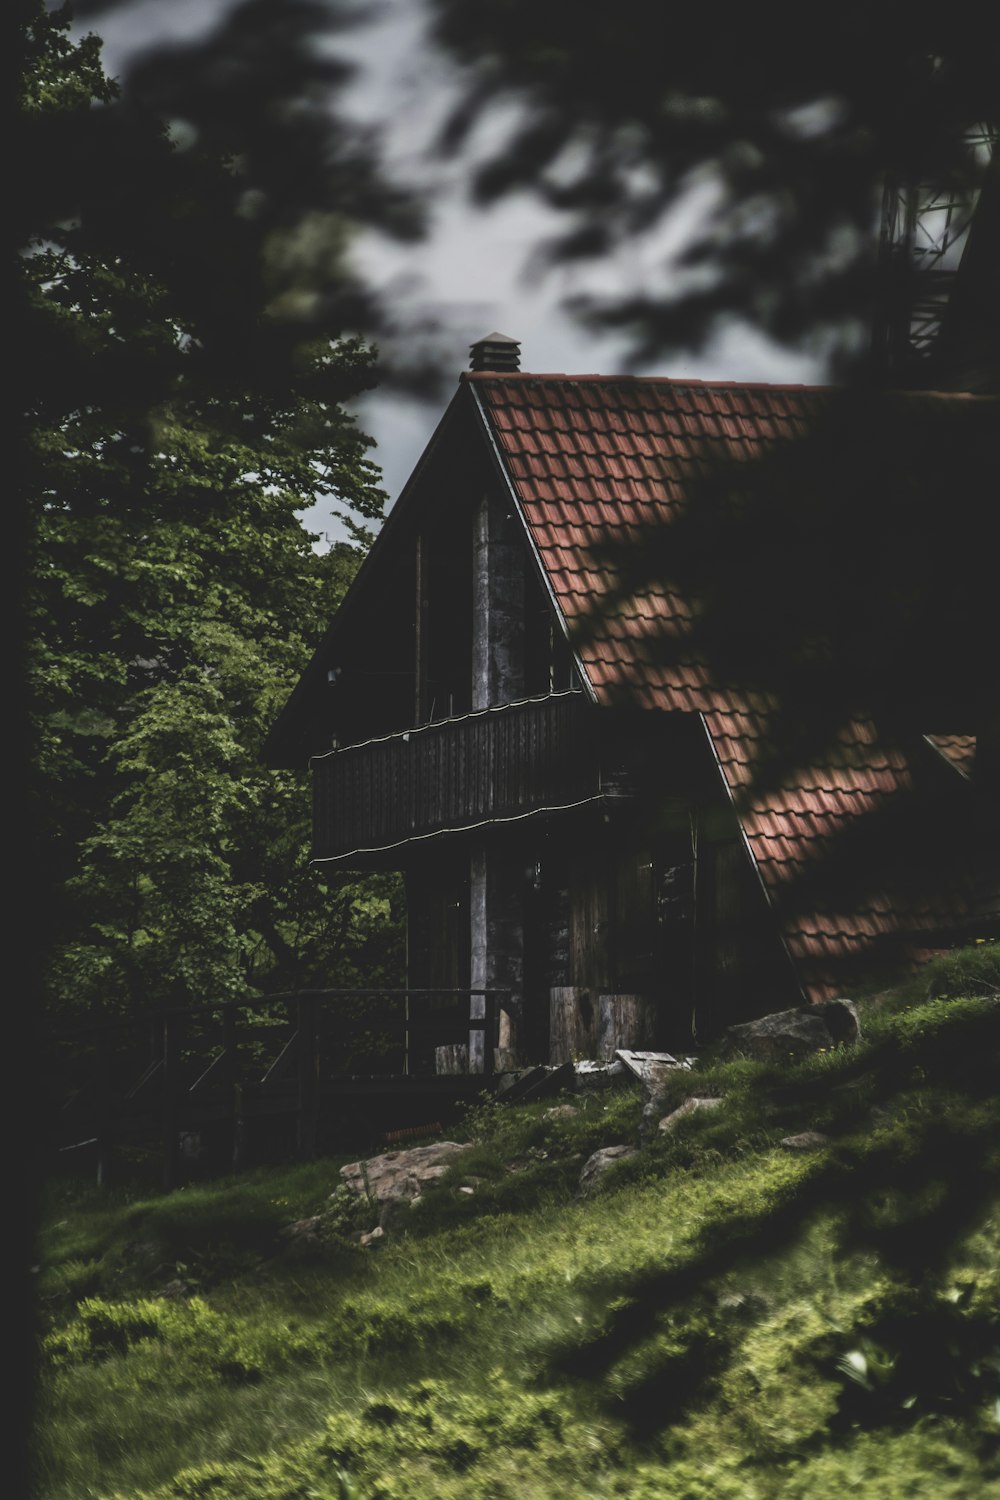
pixel 597 460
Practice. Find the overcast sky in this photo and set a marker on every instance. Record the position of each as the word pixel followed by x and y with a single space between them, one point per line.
pixel 472 271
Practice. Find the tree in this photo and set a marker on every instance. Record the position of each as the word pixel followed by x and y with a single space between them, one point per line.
pixel 792 125
pixel 178 418
pixel 848 575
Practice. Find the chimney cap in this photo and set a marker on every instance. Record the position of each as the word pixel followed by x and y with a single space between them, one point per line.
pixel 495 351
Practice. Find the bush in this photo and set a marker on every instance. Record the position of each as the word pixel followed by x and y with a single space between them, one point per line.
pixel 968 971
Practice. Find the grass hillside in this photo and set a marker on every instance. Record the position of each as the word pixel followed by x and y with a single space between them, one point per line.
pixel 725 1318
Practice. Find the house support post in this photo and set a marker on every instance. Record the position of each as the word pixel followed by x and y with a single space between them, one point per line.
pixel 496 877
pixel 497 920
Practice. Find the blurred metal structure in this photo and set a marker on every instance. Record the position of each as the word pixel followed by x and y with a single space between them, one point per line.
pixel 924 234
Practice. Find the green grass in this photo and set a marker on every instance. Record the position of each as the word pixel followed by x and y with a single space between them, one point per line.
pixel 724 1318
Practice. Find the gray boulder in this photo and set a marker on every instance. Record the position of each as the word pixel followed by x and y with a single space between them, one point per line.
pixel 652 1114
pixel 806 1140
pixel 787 1035
pixel 689 1107
pixel 841 1017
pixel 561 1112
pixel 401 1174
pixel 601 1162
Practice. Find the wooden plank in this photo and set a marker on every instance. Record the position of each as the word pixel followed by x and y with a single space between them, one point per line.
pixel 572 1023
pixel 588 923
pixel 489 1038
pixel 624 1021
pixel 451 1059
pixel 282 1059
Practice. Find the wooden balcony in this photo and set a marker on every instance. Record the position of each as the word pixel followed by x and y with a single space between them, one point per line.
pixel 495 765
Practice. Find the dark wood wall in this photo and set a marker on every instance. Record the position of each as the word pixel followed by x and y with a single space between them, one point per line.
pixel 740 967
pixel 630 905
pixel 437 908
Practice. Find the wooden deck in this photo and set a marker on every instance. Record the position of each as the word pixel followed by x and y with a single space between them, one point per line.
pixel 219 1088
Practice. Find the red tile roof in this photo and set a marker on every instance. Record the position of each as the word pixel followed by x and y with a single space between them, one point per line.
pixel 959 749
pixel 857 805
pixel 595 462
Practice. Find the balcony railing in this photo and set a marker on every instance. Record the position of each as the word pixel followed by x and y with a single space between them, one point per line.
pixel 491 766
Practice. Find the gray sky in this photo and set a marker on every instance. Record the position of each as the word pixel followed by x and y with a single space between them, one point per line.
pixel 473 270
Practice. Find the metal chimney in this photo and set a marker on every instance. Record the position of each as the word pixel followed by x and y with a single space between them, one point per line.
pixel 495 351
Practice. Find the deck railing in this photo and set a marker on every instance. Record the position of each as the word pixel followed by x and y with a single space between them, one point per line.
pixel 168 1075
pixel 490 766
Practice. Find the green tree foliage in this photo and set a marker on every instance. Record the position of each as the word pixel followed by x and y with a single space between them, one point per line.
pixel 173 593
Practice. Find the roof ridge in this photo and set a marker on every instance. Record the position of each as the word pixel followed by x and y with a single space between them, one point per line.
pixel 515 377
pixel 518 376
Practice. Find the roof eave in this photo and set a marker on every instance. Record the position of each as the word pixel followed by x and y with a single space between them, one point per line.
pixel 274 751
pixel 768 897
pixel 536 556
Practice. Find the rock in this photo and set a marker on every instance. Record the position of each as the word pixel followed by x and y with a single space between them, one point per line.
pixel 689 1107
pixel 841 1017
pixel 790 1034
pixel 175 1291
pixel 147 1255
pixel 304 1239
pixel 806 1140
pixel 656 1109
pixel 652 1114
pixel 595 1166
pixel 302 1227
pixel 402 1174
pixel 394 1213
pixel 743 1306
pixel 561 1112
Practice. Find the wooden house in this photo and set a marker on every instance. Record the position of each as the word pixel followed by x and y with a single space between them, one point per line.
pixel 580 815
